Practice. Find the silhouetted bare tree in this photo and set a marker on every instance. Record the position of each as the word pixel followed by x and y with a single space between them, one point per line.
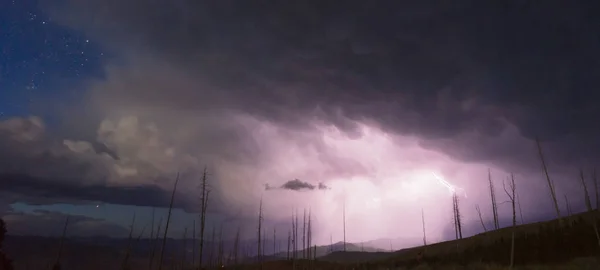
pixel 588 204
pixel 260 217
pixel 164 242
pixel 512 196
pixel 203 205
pixel 493 199
pixel 423 220
pixel 60 247
pixel 480 218
pixel 550 182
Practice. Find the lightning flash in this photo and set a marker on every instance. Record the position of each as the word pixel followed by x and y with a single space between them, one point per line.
pixel 451 188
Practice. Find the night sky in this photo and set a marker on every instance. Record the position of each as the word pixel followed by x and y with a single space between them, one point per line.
pixel 305 104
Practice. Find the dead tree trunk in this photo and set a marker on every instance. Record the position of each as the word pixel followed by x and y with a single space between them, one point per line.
pixel 596 189
pixel 203 205
pixel 511 195
pixel 125 263
pixel 264 243
pixel 550 183
pixel 296 242
pixel 588 204
pixel 211 256
pixel 184 251
pixel 309 240
pixel 520 210
pixel 304 234
pixel 493 199
pixel 155 244
pixel 236 246
pixel 454 219
pixel 293 256
pixel 458 217
pixel 423 221
pixel 259 233
pixel 61 245
pixel 288 244
pixel 194 242
pixel 162 250
pixel 480 218
pixel 568 206
pixel 344 217
pixel 220 256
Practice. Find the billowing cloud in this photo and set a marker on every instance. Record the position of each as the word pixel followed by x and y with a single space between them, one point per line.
pixel 369 98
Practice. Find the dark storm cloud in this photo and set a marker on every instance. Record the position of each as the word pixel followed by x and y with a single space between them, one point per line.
pixel 433 69
pixel 44 191
pixel 253 88
pixel 47 223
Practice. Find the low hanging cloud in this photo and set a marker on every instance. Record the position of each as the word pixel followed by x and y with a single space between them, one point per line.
pixel 297 185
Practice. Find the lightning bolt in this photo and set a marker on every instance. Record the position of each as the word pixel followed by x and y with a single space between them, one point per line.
pixel 449 186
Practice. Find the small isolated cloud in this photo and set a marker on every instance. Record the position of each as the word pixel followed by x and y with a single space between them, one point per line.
pixel 322 186
pixel 297 185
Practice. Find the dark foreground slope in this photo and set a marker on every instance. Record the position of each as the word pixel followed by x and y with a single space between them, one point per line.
pixel 543 243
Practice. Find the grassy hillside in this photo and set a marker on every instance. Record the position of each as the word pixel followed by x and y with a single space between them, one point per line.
pixel 537 243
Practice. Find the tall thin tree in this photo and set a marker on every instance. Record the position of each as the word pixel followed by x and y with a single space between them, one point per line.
pixel 550 183
pixel 236 246
pixel 457 216
pixel 220 257
pixel 296 241
pixel 304 234
pixel 423 221
pixel 194 242
pixel 204 207
pixel 259 233
pixel 480 218
pixel 162 250
pixel 288 244
pixel 151 238
pixel 309 241
pixel 588 204
pixel 493 199
pixel 520 210
pixel 293 257
pixel 154 244
pixel 512 196
pixel 125 263
pixel 567 206
pixel 596 189
pixel 184 248
pixel 344 217
pixel 61 245
pixel 152 225
pixel 211 256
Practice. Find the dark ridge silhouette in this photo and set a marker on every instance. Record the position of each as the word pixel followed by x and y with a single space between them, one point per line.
pixel 5 262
